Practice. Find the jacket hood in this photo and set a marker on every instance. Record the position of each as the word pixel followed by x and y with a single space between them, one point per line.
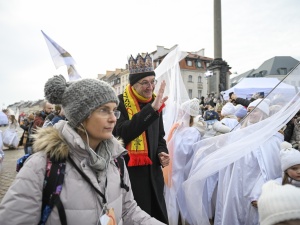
pixel 50 140
pixel 59 140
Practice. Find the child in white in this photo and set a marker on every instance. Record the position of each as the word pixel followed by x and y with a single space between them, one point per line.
pixel 290 165
pixel 279 204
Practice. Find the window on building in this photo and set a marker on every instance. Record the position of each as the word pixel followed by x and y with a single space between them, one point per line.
pixel 252 75
pixel 199 94
pixel 198 64
pixel 199 79
pixel 190 93
pixel 263 73
pixel 190 78
pixel 189 62
pixel 282 71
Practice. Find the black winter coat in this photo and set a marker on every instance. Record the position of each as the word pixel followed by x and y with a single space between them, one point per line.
pixel 146 181
pixel 243 101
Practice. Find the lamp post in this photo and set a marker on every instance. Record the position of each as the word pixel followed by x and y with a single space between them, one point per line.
pixel 219 81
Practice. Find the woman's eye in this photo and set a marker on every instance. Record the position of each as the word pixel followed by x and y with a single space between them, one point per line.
pixel 104 110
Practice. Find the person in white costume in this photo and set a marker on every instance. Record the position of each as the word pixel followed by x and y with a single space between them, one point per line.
pixel 10 135
pixel 3 119
pixel 279 204
pixel 290 166
pixel 213 125
pixel 187 131
pixel 218 153
pixel 237 181
pixel 229 119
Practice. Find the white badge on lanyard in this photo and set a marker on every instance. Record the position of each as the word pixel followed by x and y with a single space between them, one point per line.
pixel 109 217
pixel 104 220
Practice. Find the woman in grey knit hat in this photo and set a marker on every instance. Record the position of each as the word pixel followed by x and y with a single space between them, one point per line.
pixel 93 190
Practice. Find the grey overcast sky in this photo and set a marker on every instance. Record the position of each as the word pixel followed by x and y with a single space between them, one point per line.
pixel 100 35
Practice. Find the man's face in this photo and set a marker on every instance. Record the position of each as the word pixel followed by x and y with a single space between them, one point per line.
pixel 145 86
pixel 48 108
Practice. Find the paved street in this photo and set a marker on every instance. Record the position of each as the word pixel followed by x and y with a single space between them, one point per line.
pixel 8 172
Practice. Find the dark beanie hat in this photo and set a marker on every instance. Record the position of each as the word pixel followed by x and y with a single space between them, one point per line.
pixel 78 98
pixel 139 68
pixel 133 78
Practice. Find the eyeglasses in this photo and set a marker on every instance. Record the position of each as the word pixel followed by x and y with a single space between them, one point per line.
pixel 105 113
pixel 146 84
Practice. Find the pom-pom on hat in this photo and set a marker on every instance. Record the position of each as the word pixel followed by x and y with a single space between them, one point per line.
pixel 139 68
pixel 288 156
pixel 228 109
pixel 262 104
pixel 191 107
pixel 78 98
pixel 278 203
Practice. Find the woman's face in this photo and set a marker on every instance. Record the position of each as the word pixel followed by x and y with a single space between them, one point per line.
pixel 100 124
pixel 294 172
pixel 145 86
pixel 255 116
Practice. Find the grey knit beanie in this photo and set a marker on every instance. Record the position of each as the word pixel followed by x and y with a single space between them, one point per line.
pixel 78 98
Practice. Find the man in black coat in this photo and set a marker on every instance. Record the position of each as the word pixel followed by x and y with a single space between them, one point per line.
pixel 141 128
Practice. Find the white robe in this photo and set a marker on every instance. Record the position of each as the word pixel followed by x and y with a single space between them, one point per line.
pixel 10 135
pixel 183 140
pixel 238 180
pixel 230 122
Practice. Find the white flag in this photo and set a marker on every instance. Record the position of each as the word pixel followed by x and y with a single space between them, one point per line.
pixel 73 74
pixel 61 57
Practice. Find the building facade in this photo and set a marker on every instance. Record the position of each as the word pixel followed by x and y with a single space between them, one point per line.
pixel 192 68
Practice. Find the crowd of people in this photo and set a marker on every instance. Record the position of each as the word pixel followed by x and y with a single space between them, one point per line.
pixel 230 194
pixel 87 128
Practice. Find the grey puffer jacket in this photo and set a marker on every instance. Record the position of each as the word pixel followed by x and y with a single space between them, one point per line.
pixel 23 201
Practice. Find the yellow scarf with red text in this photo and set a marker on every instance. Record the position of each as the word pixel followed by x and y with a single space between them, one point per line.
pixel 137 148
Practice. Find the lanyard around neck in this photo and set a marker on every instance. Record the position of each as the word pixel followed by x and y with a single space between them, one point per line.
pixel 88 179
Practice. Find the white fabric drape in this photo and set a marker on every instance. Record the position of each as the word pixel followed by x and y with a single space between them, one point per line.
pixel 217 154
pixel 215 160
pixel 179 151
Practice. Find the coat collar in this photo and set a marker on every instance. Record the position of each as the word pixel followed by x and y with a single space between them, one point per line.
pixel 60 140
